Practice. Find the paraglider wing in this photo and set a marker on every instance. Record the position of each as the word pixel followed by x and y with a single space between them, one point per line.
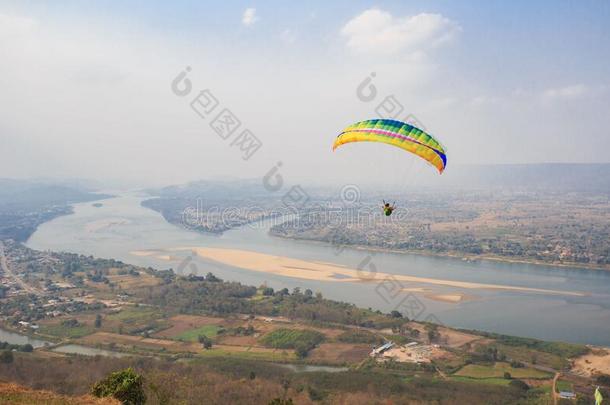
pixel 598 397
pixel 396 133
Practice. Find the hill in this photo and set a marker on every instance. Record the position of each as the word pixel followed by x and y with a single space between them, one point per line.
pixel 17 394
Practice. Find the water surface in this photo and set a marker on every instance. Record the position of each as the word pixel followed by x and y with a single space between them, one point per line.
pixel 19 339
pixel 122 226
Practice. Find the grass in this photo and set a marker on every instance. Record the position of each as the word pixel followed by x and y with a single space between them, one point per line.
pixel 359 336
pixel 497 371
pixel 528 355
pixel 17 394
pixel 292 338
pixel 563 385
pixel 491 381
pixel 193 335
pixel 279 356
pixel 135 314
pixel 558 348
pixel 66 331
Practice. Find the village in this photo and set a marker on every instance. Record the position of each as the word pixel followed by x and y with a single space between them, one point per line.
pixel 84 303
pixel 412 352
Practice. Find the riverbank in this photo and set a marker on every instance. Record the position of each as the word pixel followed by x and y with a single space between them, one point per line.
pixel 453 255
pixel 317 271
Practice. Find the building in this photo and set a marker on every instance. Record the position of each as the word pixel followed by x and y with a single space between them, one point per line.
pixel 379 350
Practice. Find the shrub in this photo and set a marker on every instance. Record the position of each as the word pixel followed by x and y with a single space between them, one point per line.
pixel 125 385
pixel 205 341
pixel 519 384
pixel 300 340
pixel 603 379
pixel 6 357
pixel 360 336
pixel 280 401
pixel 290 338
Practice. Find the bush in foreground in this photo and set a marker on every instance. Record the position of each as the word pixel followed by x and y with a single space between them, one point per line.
pixel 126 385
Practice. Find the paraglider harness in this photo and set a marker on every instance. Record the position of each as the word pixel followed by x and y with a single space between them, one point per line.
pixel 388 209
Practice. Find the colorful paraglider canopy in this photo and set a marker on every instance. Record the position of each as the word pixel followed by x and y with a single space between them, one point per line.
pixel 399 134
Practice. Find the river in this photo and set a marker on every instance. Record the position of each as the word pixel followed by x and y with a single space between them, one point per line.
pixel 121 226
pixel 21 339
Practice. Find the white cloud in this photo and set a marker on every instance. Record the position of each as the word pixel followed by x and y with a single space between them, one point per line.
pixel 378 31
pixel 249 17
pixel 567 92
pixel 288 37
pixel 11 26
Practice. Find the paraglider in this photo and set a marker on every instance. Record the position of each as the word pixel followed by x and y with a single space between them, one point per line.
pixel 388 209
pixel 399 134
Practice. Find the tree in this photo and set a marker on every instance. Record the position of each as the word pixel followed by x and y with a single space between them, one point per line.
pixel 603 379
pixel 212 278
pixel 252 375
pixel 507 376
pixel 126 385
pixel 6 357
pixel 27 348
pixel 71 323
pixel 519 384
pixel 98 321
pixel 280 401
pixel 432 332
pixel 301 351
pixel 205 341
pixel 308 293
pixel 395 314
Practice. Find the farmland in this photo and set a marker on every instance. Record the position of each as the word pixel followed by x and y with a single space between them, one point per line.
pixel 204 319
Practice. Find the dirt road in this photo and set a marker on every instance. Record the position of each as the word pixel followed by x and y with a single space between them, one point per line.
pixel 8 273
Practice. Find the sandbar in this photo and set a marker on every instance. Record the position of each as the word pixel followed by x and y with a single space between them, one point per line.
pixel 307 270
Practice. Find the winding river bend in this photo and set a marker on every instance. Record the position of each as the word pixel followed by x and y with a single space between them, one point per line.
pixel 121 228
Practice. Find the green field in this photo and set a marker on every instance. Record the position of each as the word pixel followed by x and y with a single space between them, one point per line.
pixel 498 370
pixel 135 314
pixel 66 331
pixel 193 335
pixel 492 381
pixel 524 354
pixel 277 356
pixel 563 385
pixel 292 338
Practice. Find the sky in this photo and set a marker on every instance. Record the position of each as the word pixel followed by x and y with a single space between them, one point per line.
pixel 91 89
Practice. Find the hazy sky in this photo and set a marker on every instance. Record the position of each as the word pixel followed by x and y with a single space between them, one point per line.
pixel 86 86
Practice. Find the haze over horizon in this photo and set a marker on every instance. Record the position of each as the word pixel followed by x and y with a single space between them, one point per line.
pixel 87 87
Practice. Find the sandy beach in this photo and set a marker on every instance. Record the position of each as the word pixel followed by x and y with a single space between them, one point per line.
pixel 593 363
pixel 319 271
pixel 453 298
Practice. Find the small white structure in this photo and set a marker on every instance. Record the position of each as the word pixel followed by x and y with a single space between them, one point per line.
pixel 379 350
pixel 567 395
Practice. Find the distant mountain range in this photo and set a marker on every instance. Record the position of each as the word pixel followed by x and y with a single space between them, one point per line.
pixel 552 177
pixel 25 204
pixel 575 177
pixel 27 195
